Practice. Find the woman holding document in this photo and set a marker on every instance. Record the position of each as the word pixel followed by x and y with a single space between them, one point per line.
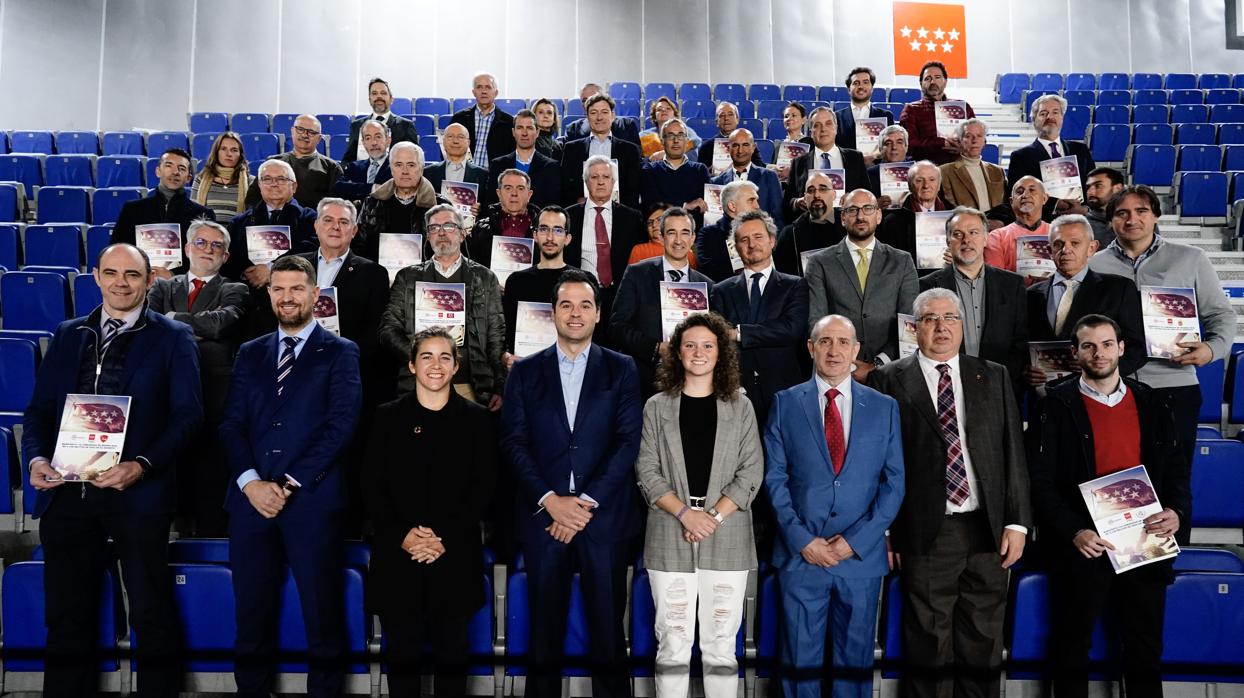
pixel 427 477
pixel 700 465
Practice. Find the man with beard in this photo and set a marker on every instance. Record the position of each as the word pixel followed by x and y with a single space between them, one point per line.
pixel 865 280
pixel 898 230
pixel 813 230
pixel 860 82
pixel 1088 427
pixel 400 128
pixel 1027 198
pixel 536 284
pixel 1103 183
pixel 292 408
pixel 1047 120
pixel 920 118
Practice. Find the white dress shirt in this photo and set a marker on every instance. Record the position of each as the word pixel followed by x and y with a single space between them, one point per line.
pixel 855 252
pixel 863 111
pixel 843 401
pixel 587 236
pixel 835 158
pixel 666 266
pixel 1062 147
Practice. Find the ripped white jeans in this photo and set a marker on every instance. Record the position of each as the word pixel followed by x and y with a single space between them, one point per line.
pixel 720 612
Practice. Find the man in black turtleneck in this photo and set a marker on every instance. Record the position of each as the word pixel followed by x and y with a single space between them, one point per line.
pixel 168 203
pixel 813 230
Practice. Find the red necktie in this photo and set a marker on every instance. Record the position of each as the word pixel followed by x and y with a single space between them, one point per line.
pixel 194 293
pixel 833 431
pixel 604 268
pixel 957 488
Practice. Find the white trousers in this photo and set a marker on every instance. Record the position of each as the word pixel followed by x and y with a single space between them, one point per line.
pixel 720 595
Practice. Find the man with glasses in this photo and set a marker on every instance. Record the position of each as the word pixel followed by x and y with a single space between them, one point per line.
pixel 966 514
pixel 814 229
pixel 536 283
pixel 675 179
pixel 865 280
pixel 167 204
pixel 482 354
pixel 315 173
pixel 743 167
pixel 277 206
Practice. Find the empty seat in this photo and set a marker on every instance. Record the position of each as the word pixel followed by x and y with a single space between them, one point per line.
pixel 80 142
pixel 431 105
pixel 1085 98
pixel 1158 134
pixel 695 90
pixel 201 145
pixel 1203 626
pixel 243 123
pixel 799 93
pixel 443 121
pixel 24 168
pixel 1203 195
pixel 4 143
pixel 53 245
pixel 119 171
pixel 33 300
pixel 334 124
pixel 69 170
pixel 624 90
pixel 992 153
pixel 97 238
pixel 1196 559
pixel 431 150
pixel 511 105
pixel 1227 113
pixel 1153 165
pixel 747 110
pixel 770 109
pixel 1151 114
pixel 10 206
pixel 765 148
pixel 86 294
pixel 1030 628
pixel 1114 97
pixel 208 121
pixel 753 125
pixel 203 595
pixel 1146 81
pixel 1114 81
pixel 1109 142
pixel 1187 97
pixel 124 143
pixel 834 93
pixel 1048 82
pixel 261 146
pixel 1011 87
pixel 518 628
pixel 32 142
pixel 1080 81
pixel 904 95
pixel 425 125
pixel 283 123
pixel 729 92
pixel 1189 114
pixel 1112 114
pixel 292 633
pixel 1180 81
pixel 161 141
pixel 106 204
pixel 10 236
pixel 1076 122
pixel 1151 96
pixel 1209 81
pixel 63 205
pixel 1224 96
pixel 1217 483
pixel 699 109
pixel 460 103
pixel 20 358
pixel 335 147
pixel 1233 160
pixel 630 107
pixel 1196 134
pixel 763 90
pixel 574 108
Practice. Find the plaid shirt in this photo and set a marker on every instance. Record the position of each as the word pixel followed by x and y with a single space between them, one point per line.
pixel 483 124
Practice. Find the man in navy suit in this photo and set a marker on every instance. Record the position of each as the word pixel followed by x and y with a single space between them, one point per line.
pixel 571 422
pixel 860 82
pixel 624 127
pixel 359 177
pixel 1047 120
pixel 712 249
pixel 544 171
pixel 601 141
pixel 835 477
pixel 120 348
pixel 291 413
pixel 742 145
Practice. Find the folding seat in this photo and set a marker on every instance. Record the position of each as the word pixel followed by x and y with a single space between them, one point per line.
pixel 1229 95
pixel 1158 134
pixel 1237 81
pixel 574 109
pixel 261 146
pixel 1233 160
pixel 1030 629
pixel 431 105
pixel 1109 142
pixel 208 122
pixel 20 358
pixel 1080 81
pixel 443 121
pixel 1235 384
pixel 425 125
pixel 1203 134
pixel 1076 122
pixel 1011 86
pixel 1187 97
pixel 770 108
pixel 1211 81
pixel 628 107
pixel 1112 114
pixel 747 109
pixel 334 124
pixel 77 142
pixel 283 123
pixel 699 109
pixel 460 103
pixel 1146 81
pixel 1048 82
pixel 833 93
pixel 1189 114
pixel 624 90
pixel 403 106
pixel 431 150
pixel 120 170
pixel 1114 97
pixel 1085 98
pixel 1201 199
pixel 4 143
pixel 1114 81
pixel 729 92
pixel 758 91
pixel 63 205
pixel 705 128
pixel 799 93
pixel 1151 114
pixel 992 153
pixel 653 90
pixel 1151 96
pixel 1153 165
pixel 10 243
pixel 292 634
pixel 124 143
pixel 1203 626
pixel 1213 375
pixel 695 90
pixel 1180 81
pixel 159 142
pixel 1217 483
pixel 243 123
pixel 764 146
pixel 153 175
pixel 24 168
pixel 10 205
pixel 9 463
pixel 1227 114
pixel 98 237
pixel 106 205
pixel 201 145
pixel 203 596
pixel 33 300
pixel 511 106
pixel 753 125
pixel 86 294
pixel 335 148
pixel 518 630
pixel 53 245
pixel 32 142
pixel 879 93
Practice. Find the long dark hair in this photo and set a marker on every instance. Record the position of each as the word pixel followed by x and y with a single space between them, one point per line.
pixel 670 373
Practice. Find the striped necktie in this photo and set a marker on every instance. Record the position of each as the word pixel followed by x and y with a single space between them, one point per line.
pixel 957 488
pixel 112 327
pixel 286 364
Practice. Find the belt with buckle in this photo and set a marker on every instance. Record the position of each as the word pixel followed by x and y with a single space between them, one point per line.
pixel 696 502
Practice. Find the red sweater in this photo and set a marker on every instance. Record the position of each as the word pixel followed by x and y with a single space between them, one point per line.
pixel 1116 434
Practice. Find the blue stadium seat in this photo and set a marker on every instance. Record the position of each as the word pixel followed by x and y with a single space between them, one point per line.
pixel 1076 122
pixel 1197 559
pixel 10 237
pixel 335 147
pixel 443 121
pixel 834 93
pixel 1030 628
pixel 643 625
pixel 153 176
pixel 201 145
pixel 69 171
pixel 1146 81
pixel 161 141
pixel 10 206
pixel 106 204
pixel 63 205
pixel 33 300
pixel 1030 97
pixel 992 153
pixel 1112 114
pixel 283 123
pixel 1227 113
pixel 243 123
pixel 1229 95
pixel 431 150
pixel 729 92
pixel 53 245
pixel 460 103
pixel 799 93
pixel 1047 82
pixel 1210 81
pixel 203 595
pixel 774 130
pixel 624 90
pixel 1156 134
pixel 1204 623
pixel 9 463
pixel 1180 81
pixel 707 127
pixel 1203 195
pixel 25 630
pixel 1235 389
pixel 86 295
pixel 770 109
pixel 98 237
pixel 1194 158
pixel 1011 87
pixel 431 105
pixel 77 142
pixel 1234 165
pixel 124 143
pixel 747 109
pixel 120 170
pixel 1189 114
pixel 292 634
pixel 24 168
pixel 1187 97
pixel 1080 81
pixel 334 124
pixel 879 94
pixel 261 146
pixel 425 125
pixel 1114 97
pixel 756 126
pixel 32 142
pixel 1153 165
pixel 1085 98
pixel 1217 483
pixel 695 90
pixel 890 632
pixel 1151 96
pixel 518 628
pixel 1114 81
pixel 1151 114
pixel 699 109
pixel 20 358
pixel 629 107
pixel 4 143
pixel 758 91
pixel 208 121
pixel 1109 142
pixel 511 105
pixel 574 108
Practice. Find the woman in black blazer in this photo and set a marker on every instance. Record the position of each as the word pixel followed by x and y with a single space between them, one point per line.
pixel 427 478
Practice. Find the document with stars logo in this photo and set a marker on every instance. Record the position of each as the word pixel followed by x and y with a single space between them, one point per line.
pixel 265 243
pixel 1170 318
pixel 92 434
pixel 1119 503
pixel 1061 177
pixel 930 32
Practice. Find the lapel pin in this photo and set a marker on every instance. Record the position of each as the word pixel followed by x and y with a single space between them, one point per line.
pixel 418 430
pixel 349 268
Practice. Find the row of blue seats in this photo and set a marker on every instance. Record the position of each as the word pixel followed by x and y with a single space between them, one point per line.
pixel 69 205
pixel 1110 142
pixel 1011 86
pixel 1077 118
pixel 1140 98
pixel 1157 164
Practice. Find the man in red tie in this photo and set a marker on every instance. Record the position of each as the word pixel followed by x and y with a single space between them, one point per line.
pixel 835 491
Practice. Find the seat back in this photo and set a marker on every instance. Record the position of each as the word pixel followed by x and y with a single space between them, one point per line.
pixel 1218 484
pixel 33 300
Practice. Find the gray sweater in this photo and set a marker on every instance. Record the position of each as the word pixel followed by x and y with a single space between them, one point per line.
pixel 1168 263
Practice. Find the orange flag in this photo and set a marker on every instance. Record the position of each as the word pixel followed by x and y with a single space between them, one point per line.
pixel 927 32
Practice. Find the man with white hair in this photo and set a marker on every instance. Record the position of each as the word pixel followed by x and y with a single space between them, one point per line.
pixel 727 124
pixel 1047 119
pixel 397 206
pixel 970 181
pixel 712 254
pixel 276 206
pixel 491 130
pixel 924 184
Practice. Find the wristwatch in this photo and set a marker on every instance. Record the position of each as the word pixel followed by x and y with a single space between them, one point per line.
pixel 716 515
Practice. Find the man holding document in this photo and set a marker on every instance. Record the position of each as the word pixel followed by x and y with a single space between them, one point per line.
pixel 1086 428
pixel 130 377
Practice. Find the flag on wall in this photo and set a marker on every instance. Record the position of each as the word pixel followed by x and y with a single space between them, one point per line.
pixel 929 32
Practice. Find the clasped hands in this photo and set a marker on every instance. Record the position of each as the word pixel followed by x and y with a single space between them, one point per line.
pixel 423 545
pixel 570 515
pixel 118 477
pixel 827 552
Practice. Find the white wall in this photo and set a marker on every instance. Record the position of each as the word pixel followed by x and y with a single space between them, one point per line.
pixel 118 64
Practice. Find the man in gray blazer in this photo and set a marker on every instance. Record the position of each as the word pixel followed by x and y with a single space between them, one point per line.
pixel 213 307
pixel 864 280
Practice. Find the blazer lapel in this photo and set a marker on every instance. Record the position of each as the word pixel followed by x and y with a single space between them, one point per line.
pixel 848 269
pixel 308 356
pixel 975 400
pixel 959 172
pixel 1080 302
pixel 810 400
pixel 912 381
pixel 207 297
pixel 858 426
pixel 673 438
pixel 181 294
pixel 594 382
pixel 553 382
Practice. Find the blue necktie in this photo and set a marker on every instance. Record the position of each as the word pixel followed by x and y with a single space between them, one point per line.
pixel 286 364
pixel 753 300
pixel 112 327
pixel 825 164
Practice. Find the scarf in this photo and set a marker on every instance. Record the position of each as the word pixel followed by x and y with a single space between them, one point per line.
pixel 226 173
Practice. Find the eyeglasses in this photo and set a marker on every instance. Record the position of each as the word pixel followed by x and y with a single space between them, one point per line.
pixel 547 230
pixel 215 245
pixel 305 131
pixel 675 137
pixel 949 319
pixel 435 228
pixel 821 189
pixel 867 210
pixel 274 181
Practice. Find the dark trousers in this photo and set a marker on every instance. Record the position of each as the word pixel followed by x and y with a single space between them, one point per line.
pixel 1083 590
pixel 407 638
pixel 74 533
pixel 602 579
pixel 310 539
pixel 953 612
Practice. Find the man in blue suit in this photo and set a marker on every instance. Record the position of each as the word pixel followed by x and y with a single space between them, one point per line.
pixel 769 189
pixel 359 177
pixel 860 82
pixel 120 348
pixel 835 478
pixel 291 412
pixel 571 423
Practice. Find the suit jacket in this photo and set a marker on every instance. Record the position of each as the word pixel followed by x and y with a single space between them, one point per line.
pixel 299 219
pixel 1027 161
pixel 834 287
pixel 362 294
pixel 629 230
pixel 353 183
pixel 770 187
pixel 629 160
pixel 846 123
pixel 771 347
pixel 994 441
pixel 435 174
pixel 712 254
pixel 500 134
pixel 923 143
pixel 736 473
pixel 1115 297
pixel 810 501
pixel 400 129
pixel 181 209
pixel 545 173
pixel 624 127
pixel 958 189
pixel 304 431
pixel 1004 333
pixel 797 177
pixel 600 448
pixel 898 226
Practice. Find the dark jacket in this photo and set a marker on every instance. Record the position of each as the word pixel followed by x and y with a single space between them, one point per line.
pixel 400 129
pixel 374 218
pixel 299 219
pixel 797 177
pixel 1026 161
pixel 803 235
pixel 630 163
pixel 846 123
pixel 478 245
pixel 624 127
pixel 1115 297
pixel 181 209
pixel 435 174
pixel 500 134
pixel 353 183
pixel 712 254
pixel 545 174
pixel 628 231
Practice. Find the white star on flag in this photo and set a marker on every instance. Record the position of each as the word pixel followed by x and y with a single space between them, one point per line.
pixel 922 33
pixel 931 46
pixel 954 34
pixel 915 44
pixel 938 34
pixel 906 32
pixel 946 47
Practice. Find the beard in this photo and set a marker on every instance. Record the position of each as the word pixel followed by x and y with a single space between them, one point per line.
pixel 1103 374
pixel 549 256
pixel 818 208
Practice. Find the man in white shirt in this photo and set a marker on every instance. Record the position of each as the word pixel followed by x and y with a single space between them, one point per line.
pixel 825 154
pixel 860 82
